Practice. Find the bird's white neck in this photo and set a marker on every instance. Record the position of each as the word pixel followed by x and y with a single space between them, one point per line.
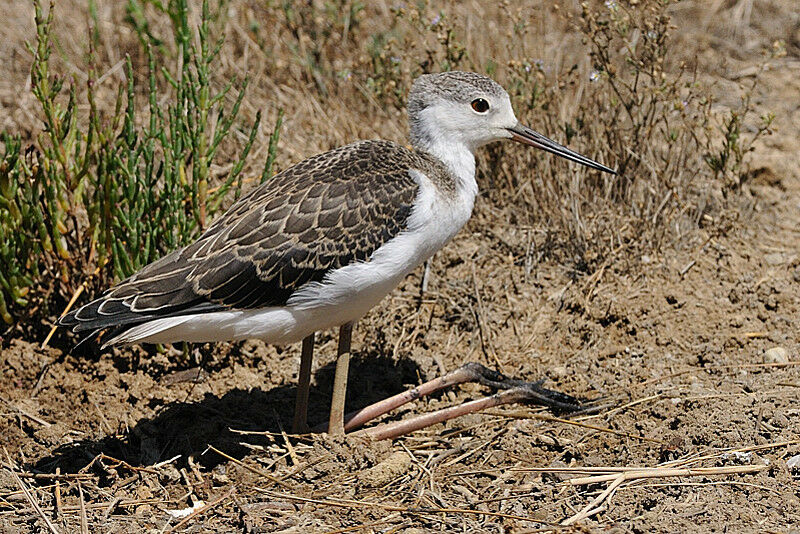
pixel 456 154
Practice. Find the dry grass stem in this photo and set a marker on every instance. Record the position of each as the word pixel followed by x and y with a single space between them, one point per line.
pixel 616 480
pixel 82 508
pixel 32 500
pixel 249 468
pixel 550 418
pixel 200 511
pixel 659 472
pixel 343 503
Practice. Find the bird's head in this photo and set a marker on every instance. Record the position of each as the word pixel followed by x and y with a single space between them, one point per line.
pixel 471 110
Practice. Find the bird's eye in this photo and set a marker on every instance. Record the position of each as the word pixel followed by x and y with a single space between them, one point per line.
pixel 480 105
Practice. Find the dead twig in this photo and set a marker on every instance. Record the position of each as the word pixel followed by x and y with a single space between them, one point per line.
pixel 346 503
pixel 117 463
pixel 57 491
pixel 541 417
pixel 721 366
pixel 249 468
pixel 717 454
pixel 84 521
pixel 71 302
pixel 32 501
pixel 596 505
pixel 25 413
pixel 662 472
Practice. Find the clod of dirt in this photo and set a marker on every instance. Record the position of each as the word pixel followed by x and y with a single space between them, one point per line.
pixel 52 435
pixel 344 454
pixel 779 420
pixel 392 467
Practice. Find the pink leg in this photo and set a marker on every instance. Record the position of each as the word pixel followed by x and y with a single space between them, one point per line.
pixel 462 375
pixel 514 391
pixel 400 428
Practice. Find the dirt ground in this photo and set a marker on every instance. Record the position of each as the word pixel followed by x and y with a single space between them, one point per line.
pixel 695 346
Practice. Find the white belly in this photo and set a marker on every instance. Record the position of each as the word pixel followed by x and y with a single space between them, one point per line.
pixel 343 296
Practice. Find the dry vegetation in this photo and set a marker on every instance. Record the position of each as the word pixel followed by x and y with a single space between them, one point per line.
pixel 660 289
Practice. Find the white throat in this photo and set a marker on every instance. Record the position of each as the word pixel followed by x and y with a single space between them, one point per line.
pixel 454 152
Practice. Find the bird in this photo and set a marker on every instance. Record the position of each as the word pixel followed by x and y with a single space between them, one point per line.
pixel 321 243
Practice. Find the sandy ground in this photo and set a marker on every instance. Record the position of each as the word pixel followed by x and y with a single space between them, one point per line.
pixel 695 346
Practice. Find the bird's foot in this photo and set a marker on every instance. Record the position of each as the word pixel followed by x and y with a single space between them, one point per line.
pixel 524 391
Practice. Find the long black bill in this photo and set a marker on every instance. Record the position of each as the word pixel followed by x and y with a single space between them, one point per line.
pixel 523 134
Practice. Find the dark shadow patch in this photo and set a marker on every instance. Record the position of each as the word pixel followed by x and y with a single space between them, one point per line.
pixel 187 428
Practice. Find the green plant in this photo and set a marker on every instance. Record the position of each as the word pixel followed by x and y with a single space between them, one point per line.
pixel 108 194
pixel 726 155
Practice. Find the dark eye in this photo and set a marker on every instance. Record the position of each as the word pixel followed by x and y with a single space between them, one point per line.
pixel 480 105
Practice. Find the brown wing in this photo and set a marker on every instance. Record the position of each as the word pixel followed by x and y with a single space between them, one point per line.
pixel 322 214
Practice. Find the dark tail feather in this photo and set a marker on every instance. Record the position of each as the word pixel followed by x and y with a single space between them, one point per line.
pixel 91 323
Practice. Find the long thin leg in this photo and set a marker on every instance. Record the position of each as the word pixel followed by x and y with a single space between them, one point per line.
pixel 469 372
pixel 461 375
pixel 400 428
pixel 336 421
pixel 521 392
pixel 513 391
pixel 300 423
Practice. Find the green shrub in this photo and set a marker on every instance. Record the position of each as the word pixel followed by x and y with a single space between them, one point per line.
pixel 95 198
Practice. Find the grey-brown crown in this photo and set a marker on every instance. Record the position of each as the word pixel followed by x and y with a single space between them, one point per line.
pixel 455 86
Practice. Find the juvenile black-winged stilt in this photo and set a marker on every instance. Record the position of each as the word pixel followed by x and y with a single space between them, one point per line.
pixel 324 241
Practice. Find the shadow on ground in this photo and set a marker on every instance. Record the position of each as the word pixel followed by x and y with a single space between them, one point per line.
pixel 188 428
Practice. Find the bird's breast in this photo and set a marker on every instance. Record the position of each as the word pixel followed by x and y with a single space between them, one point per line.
pixel 435 218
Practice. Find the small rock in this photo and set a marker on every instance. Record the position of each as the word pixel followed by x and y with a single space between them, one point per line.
pixel 219 479
pixel 793 463
pixel 775 258
pixel 558 371
pixel 739 457
pixel 168 472
pixel 776 355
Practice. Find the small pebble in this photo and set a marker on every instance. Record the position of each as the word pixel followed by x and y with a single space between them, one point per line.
pixel 776 355
pixel 739 457
pixel 793 463
pixel 219 479
pixel 775 258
